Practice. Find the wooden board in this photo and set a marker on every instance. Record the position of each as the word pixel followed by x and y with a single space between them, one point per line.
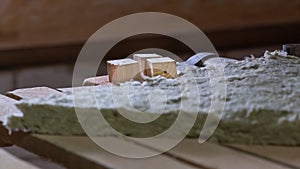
pixel 11 162
pixel 31 158
pixel 210 155
pixel 281 154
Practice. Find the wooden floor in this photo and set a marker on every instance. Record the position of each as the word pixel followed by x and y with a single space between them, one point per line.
pixel 79 152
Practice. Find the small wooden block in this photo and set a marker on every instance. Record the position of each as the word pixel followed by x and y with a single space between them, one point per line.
pixel 122 70
pixel 164 66
pixel 141 58
pixel 94 81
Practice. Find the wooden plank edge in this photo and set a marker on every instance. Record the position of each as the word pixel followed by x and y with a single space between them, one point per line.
pixel 231 146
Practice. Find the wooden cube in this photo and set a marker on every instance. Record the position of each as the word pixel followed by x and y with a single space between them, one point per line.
pixel 122 70
pixel 141 58
pixel 164 66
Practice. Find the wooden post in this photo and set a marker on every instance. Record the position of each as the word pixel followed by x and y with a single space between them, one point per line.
pixel 162 66
pixel 122 70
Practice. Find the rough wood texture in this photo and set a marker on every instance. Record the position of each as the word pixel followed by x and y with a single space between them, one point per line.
pixel 122 70
pixel 93 81
pixel 81 153
pixel 36 92
pixel 161 66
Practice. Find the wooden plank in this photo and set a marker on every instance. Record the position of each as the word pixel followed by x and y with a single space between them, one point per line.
pixel 31 158
pixel 288 155
pixel 29 93
pixel 81 152
pixel 9 161
pixel 210 155
pixel 93 81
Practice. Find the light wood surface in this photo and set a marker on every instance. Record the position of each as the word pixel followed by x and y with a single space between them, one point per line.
pixel 100 80
pixel 122 70
pixel 288 155
pixel 89 155
pixel 31 158
pixel 11 162
pixel 211 155
pixel 164 66
pixel 141 58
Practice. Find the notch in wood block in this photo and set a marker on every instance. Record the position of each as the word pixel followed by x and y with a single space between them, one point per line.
pixel 164 66
pixel 122 70
pixel 141 58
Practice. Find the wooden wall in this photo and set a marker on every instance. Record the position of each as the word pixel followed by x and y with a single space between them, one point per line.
pixel 43 22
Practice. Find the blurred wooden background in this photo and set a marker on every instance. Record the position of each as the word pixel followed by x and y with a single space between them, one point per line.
pixel 40 38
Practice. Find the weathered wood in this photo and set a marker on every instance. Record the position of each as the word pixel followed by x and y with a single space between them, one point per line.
pixel 93 81
pixel 288 155
pixel 161 66
pixel 36 92
pixel 10 162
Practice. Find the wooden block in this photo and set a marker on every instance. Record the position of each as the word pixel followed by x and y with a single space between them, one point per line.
pixel 122 70
pixel 94 81
pixel 141 58
pixel 164 66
